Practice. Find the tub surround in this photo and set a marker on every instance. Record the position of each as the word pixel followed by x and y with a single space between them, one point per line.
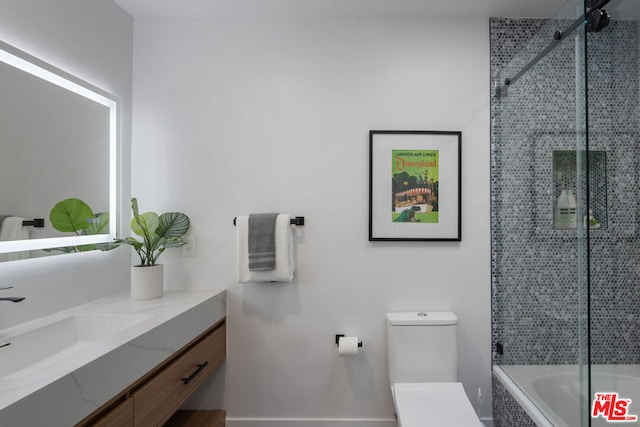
pixel 515 406
pixel 87 376
pixel 507 410
pixel 535 292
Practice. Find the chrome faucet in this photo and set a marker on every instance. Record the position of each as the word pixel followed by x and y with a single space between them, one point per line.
pixel 12 299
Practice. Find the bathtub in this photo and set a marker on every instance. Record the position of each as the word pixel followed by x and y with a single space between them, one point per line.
pixel 549 394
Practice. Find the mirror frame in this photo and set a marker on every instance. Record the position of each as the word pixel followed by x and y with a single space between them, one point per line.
pixel 38 68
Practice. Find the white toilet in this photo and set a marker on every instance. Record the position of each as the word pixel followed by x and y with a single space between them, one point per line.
pixel 423 371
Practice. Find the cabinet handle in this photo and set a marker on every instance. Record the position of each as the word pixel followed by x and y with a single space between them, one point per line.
pixel 197 371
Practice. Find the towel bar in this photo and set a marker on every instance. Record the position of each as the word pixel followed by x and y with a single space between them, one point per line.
pixel 36 222
pixel 298 220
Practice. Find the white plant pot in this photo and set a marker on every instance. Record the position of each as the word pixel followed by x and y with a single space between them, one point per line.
pixel 147 282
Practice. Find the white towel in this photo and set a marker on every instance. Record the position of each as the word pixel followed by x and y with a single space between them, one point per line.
pixel 285 262
pixel 12 229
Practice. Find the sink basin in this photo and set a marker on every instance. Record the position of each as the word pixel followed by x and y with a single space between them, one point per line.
pixel 60 339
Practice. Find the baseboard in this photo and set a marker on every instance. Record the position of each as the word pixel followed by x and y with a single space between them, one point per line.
pixel 309 422
pixel 320 422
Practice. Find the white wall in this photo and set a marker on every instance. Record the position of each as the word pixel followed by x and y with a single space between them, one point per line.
pixel 238 115
pixel 93 41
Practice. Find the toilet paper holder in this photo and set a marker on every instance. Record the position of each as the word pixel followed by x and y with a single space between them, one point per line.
pixel 338 336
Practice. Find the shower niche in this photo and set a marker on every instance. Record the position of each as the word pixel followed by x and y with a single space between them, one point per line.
pixel 567 183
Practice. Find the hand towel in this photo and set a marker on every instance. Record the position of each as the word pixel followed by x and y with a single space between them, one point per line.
pixel 12 229
pixel 262 241
pixel 285 262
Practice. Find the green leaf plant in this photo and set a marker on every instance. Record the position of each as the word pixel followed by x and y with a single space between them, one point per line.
pixel 158 232
pixel 75 216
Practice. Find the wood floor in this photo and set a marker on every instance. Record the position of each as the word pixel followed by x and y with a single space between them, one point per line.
pixel 197 419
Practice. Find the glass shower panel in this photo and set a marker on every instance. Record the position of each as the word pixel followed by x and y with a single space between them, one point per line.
pixel 566 210
pixel 540 264
pixel 613 88
pixel 586 204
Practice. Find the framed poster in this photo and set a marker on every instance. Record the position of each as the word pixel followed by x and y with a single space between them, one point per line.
pixel 414 185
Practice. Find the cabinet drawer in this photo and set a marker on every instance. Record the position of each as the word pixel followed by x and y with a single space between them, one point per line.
pixel 158 399
pixel 120 416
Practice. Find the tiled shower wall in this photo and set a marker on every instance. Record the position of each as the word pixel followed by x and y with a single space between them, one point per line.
pixel 534 274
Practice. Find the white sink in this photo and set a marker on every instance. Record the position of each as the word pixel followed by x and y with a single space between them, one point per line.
pixel 57 340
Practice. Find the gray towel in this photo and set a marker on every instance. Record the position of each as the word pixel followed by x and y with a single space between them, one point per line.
pixel 262 241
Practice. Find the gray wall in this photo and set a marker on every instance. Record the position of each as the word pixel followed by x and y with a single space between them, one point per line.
pixel 259 115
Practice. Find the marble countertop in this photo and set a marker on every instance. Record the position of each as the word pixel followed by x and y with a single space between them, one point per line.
pixel 147 316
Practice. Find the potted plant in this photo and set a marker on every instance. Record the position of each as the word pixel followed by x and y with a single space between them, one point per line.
pixel 158 232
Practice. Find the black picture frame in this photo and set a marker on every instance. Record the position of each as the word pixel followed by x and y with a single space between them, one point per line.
pixel 415 185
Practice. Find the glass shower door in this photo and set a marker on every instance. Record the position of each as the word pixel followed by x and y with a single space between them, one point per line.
pixel 584 180
pixel 540 194
pixel 611 63
pixel 566 210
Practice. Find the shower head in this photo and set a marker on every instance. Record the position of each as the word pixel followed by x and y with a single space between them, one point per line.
pixel 597 20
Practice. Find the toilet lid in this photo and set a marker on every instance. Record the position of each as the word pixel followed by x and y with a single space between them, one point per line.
pixel 434 404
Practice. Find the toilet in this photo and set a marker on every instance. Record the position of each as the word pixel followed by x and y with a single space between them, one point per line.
pixel 423 371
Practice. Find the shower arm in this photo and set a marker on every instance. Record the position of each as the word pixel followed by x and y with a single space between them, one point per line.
pixel 558 36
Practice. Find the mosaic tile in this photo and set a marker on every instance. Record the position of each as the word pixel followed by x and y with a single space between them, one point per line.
pixel 507 412
pixel 535 293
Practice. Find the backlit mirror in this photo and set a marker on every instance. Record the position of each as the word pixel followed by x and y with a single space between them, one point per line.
pixel 58 141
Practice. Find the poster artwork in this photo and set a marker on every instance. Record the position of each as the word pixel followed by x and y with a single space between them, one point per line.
pixel 414 186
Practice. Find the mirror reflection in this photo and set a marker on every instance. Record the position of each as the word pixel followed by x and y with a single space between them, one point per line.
pixel 57 142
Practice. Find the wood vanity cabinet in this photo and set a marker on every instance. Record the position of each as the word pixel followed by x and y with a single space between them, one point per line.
pixel 154 398
pixel 121 415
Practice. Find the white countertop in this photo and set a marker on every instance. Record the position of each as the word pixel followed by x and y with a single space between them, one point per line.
pixel 148 315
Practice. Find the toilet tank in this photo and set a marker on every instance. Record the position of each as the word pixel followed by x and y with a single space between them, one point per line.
pixel 422 347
